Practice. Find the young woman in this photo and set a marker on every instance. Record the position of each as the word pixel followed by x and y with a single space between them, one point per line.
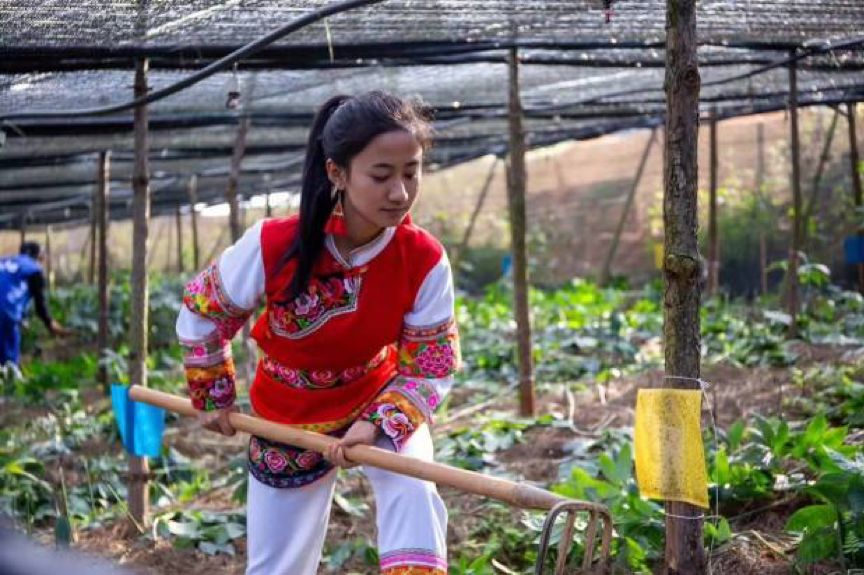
pixel 358 339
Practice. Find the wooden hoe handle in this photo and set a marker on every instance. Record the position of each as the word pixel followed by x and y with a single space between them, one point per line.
pixel 516 494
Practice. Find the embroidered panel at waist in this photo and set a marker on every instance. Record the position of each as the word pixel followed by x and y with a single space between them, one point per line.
pixel 320 378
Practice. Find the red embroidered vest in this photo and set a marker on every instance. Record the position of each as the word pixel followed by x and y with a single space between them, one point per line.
pixel 347 322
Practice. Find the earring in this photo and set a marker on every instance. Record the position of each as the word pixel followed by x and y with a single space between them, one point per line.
pixel 336 222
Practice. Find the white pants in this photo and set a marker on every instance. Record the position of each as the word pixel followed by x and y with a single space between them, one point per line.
pixel 286 527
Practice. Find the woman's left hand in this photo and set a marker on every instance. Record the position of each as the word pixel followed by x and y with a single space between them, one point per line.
pixel 360 433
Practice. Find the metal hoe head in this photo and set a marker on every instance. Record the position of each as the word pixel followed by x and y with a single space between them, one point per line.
pixel 596 514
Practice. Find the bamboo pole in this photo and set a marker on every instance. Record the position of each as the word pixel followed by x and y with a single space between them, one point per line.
pixel 637 179
pixel 49 259
pixel 817 178
pixel 268 209
pixel 138 466
pixel 760 184
pixel 234 177
pixel 855 164
pixel 516 184
pixel 102 337
pixel 685 554
pixel 481 199
pixel 713 240
pixel 94 242
pixel 193 199
pixel 795 248
pixel 179 220
pixel 525 495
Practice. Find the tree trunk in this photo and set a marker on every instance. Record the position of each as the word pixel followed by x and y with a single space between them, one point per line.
pixel 616 239
pixel 516 184
pixel 466 237
pixel 49 260
pixel 102 337
pixel 713 239
pixel 760 183
pixel 684 550
pixel 856 179
pixel 138 466
pixel 179 218
pixel 792 275
pixel 234 177
pixel 91 270
pixel 193 199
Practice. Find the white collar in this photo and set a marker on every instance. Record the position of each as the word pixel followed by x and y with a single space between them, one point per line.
pixel 364 254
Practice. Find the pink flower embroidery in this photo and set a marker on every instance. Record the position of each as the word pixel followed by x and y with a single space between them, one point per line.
pixel 275 461
pixel 305 304
pixel 254 449
pixel 433 401
pixel 436 360
pixel 308 459
pixel 222 388
pixel 323 377
pixel 393 422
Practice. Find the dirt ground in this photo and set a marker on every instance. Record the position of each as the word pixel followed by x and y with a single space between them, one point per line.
pixel 759 546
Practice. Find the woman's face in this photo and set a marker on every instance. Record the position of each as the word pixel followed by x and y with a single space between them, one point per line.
pixel 382 183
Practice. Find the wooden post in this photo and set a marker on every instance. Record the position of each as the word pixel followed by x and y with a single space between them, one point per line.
pixel 481 199
pixel 616 239
pixel 49 260
pixel 236 226
pixel 855 164
pixel 102 337
pixel 233 178
pixel 760 183
pixel 795 248
pixel 179 218
pixel 193 199
pixel 268 209
pixel 713 243
pixel 138 466
pixel 817 179
pixel 22 230
pixel 516 184
pixel 91 269
pixel 685 554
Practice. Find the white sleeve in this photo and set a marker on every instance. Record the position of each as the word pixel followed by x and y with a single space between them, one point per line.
pixel 227 292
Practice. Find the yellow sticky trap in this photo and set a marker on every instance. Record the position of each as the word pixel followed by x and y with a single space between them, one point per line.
pixel 670 460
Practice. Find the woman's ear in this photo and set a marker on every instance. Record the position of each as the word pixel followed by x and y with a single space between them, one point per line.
pixel 335 174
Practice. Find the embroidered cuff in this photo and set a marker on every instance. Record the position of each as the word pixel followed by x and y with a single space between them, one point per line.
pixel 395 415
pixel 430 352
pixel 206 296
pixel 211 387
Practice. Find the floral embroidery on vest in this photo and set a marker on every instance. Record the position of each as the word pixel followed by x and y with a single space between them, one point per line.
pixel 429 352
pixel 325 298
pixel 319 379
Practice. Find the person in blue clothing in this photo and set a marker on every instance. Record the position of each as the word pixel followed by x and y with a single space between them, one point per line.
pixel 21 280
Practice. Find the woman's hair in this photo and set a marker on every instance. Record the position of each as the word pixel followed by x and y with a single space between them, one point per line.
pixel 342 128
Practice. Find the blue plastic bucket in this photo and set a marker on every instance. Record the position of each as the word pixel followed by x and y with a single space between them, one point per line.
pixel 141 425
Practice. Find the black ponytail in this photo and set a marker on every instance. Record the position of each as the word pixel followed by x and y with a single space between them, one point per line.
pixel 342 128
pixel 315 200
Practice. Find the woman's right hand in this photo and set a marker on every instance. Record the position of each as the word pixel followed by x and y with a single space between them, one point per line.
pixel 217 420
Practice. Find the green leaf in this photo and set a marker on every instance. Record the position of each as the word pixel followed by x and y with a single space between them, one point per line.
pixel 184 529
pixel 734 435
pixel 811 518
